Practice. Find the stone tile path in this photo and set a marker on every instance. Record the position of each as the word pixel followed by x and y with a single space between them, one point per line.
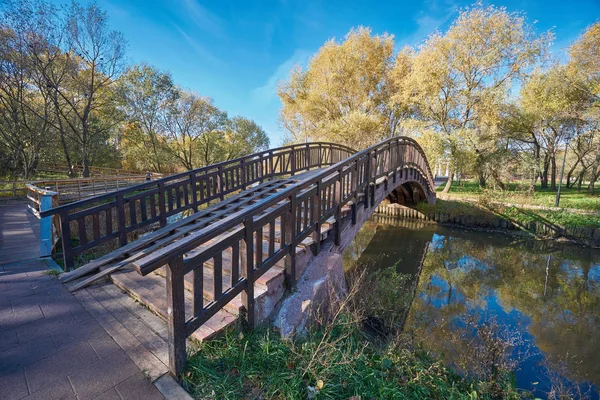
pixel 52 346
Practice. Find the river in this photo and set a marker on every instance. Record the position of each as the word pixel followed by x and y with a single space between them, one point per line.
pixel 477 298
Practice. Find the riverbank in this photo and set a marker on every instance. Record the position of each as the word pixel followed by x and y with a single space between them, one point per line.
pixel 336 361
pixel 563 225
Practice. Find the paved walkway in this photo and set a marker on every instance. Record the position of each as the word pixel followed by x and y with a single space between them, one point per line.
pixel 52 347
pixel 19 233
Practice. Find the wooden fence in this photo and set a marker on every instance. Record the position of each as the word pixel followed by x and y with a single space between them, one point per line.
pixel 122 214
pixel 299 211
pixel 63 168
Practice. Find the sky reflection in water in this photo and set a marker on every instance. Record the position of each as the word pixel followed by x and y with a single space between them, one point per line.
pixel 548 293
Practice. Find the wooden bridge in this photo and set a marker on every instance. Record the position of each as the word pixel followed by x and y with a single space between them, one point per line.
pixel 206 247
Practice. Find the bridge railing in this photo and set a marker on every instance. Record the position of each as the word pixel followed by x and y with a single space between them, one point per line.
pixel 121 215
pixel 300 210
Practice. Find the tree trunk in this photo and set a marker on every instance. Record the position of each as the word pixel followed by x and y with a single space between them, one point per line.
pixel 449 182
pixel 553 172
pixel 544 175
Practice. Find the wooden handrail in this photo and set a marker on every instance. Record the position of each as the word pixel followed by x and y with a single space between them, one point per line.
pixel 300 209
pixel 118 214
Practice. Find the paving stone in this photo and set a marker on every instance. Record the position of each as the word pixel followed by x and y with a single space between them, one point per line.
pixel 60 365
pixel 110 394
pixel 26 354
pixel 77 332
pixel 60 390
pixel 138 387
pixel 8 339
pixel 51 326
pixel 95 378
pixel 13 385
pixel 20 317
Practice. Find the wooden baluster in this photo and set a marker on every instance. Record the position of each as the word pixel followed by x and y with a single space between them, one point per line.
pixel 289 235
pixel 221 188
pixel 293 161
pixel 235 263
pixel 271 238
pixel 218 275
pixel 121 219
pixel 176 316
pixel 67 245
pixel 338 209
pixel 243 168
pixel 198 289
pixel 316 212
pixel 248 272
pixel 162 207
pixel 259 247
pixel 194 189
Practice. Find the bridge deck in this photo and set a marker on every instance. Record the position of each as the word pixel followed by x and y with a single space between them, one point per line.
pixel 19 233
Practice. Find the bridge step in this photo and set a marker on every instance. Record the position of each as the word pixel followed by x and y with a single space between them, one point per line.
pixel 151 291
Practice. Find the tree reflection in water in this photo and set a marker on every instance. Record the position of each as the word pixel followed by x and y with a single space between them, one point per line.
pixel 449 286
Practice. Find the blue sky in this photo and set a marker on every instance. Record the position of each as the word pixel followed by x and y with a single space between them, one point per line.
pixel 236 51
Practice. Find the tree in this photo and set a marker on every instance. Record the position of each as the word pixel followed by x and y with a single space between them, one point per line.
pixel 343 95
pixel 146 94
pixel 459 79
pixel 553 106
pixel 243 136
pixel 193 127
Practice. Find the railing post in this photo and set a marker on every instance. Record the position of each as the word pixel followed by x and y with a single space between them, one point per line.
pixel 307 156
pixel 368 180
pixel 243 176
pixel 176 316
pixel 194 191
pixel 316 211
pixel 162 208
pixel 121 219
pixel 67 246
pixel 292 161
pixel 289 234
pixel 220 182
pixel 46 234
pixel 338 209
pixel 248 271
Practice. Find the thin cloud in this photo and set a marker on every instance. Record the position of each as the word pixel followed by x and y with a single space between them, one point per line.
pixel 204 19
pixel 202 51
pixel 437 14
pixel 268 92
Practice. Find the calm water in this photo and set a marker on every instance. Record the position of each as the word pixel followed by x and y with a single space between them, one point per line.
pixel 541 297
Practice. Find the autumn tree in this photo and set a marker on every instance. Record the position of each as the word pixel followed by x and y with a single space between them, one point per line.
pixel 343 94
pixel 146 95
pixel 459 78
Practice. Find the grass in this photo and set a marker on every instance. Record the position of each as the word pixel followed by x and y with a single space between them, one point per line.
pixel 517 193
pixel 261 365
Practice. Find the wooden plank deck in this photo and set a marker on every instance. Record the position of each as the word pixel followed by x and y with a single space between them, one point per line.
pixel 19 233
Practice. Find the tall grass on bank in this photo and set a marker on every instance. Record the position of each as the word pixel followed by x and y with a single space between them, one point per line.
pixel 335 359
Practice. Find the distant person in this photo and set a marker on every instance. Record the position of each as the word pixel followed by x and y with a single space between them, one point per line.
pixel 148 176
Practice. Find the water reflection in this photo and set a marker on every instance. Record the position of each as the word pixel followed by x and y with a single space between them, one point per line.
pixel 544 295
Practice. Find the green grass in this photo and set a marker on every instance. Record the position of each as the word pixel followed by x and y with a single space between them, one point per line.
pixel 560 218
pixel 517 193
pixel 334 363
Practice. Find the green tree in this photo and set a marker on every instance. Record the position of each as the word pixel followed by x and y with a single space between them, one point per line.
pixel 146 95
